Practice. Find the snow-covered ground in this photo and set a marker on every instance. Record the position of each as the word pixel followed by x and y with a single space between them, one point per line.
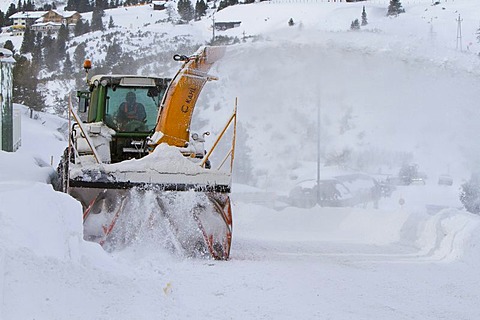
pixel 395 87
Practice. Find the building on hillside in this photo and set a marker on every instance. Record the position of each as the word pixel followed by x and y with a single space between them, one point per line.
pixel 46 27
pixel 159 5
pixel 226 25
pixel 26 18
pixel 65 17
pixel 9 125
pixel 52 20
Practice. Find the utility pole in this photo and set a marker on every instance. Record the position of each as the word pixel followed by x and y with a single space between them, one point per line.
pixel 213 28
pixel 459 33
pixel 318 151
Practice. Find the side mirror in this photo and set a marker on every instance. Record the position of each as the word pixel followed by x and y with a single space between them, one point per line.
pixel 153 92
pixel 83 102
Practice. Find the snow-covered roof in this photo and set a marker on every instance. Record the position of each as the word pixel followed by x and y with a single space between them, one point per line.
pixel 6 55
pixel 49 23
pixel 65 14
pixel 28 15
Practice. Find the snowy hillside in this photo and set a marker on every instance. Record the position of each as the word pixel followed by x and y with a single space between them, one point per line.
pixel 396 90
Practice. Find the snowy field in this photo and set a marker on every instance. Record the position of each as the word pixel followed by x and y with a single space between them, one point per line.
pixel 404 87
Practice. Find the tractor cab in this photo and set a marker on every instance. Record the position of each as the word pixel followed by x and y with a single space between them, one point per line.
pixel 126 104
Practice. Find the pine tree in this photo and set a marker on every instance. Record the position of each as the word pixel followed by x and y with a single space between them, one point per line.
pixel 110 23
pixel 78 30
pixel 79 55
pixel 25 84
pixel 223 4
pixel 37 56
pixel 114 53
pixel 29 6
pixel 355 25
pixel 470 194
pixel 185 10
pixel 61 41
pixel 28 41
pixel 50 52
pixel 11 10
pixel 395 8
pixel 67 67
pixel 9 46
pixel 200 9
pixel 86 27
pixel 97 22
pixel 2 19
pixel 364 17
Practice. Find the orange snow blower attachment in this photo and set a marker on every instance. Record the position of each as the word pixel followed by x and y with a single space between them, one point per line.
pixel 120 171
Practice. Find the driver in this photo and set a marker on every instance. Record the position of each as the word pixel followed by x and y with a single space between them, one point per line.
pixel 130 110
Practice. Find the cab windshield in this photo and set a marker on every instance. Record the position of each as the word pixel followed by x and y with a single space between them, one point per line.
pixel 132 109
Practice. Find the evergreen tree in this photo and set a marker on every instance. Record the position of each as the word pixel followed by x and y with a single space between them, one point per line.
pixel 67 67
pixel 61 42
pixel 30 6
pixel 223 4
pixel 19 6
pixel 110 23
pixel 185 10
pixel 364 17
pixel 470 194
pixel 11 10
pixel 37 56
pixel 3 19
pixel 395 8
pixel 82 6
pixel 78 29
pixel 79 55
pixel 50 52
pixel 355 25
pixel 200 9
pixel 86 27
pixel 9 46
pixel 28 41
pixel 71 5
pixel 25 84
pixel 113 56
pixel 97 21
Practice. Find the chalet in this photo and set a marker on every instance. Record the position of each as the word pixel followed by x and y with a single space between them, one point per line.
pixel 227 25
pixel 45 27
pixel 26 18
pixel 52 20
pixel 65 17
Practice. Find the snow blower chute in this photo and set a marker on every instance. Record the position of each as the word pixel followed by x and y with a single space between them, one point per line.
pixel 131 141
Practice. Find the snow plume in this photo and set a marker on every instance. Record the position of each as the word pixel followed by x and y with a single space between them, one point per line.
pixel 368 100
pixel 162 222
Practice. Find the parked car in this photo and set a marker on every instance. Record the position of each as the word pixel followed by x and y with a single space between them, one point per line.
pixel 341 191
pixel 445 180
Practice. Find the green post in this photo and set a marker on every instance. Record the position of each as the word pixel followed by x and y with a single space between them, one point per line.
pixel 6 104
